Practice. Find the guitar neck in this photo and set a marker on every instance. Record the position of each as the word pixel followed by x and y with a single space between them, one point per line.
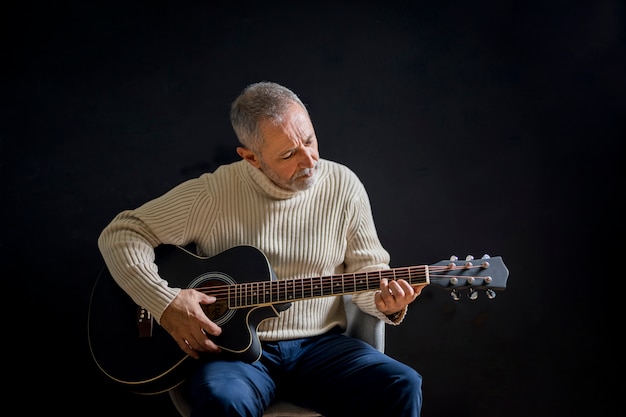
pixel 269 292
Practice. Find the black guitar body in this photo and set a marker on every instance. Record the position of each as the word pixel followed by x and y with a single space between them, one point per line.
pixel 132 349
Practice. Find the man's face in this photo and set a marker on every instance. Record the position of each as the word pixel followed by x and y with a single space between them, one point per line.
pixel 289 154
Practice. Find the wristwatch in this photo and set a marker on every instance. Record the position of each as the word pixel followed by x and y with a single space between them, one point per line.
pixel 394 316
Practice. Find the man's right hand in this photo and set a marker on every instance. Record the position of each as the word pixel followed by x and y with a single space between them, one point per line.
pixel 186 322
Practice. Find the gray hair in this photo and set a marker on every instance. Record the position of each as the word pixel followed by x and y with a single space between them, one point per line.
pixel 256 103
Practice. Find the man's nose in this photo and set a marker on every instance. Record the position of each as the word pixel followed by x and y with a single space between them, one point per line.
pixel 309 158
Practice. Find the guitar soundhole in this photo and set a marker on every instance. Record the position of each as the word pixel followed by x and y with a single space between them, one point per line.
pixel 218 312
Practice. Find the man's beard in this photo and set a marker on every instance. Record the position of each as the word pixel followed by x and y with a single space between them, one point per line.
pixel 300 181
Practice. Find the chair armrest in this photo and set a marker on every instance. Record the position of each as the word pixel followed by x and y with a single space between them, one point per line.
pixel 363 326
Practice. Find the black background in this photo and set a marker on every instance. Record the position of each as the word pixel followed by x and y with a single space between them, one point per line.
pixel 477 127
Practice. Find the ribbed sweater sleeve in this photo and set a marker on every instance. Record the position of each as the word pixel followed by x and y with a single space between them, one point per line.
pixel 325 230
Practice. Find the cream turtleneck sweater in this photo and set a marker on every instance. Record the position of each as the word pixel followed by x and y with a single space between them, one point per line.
pixel 325 230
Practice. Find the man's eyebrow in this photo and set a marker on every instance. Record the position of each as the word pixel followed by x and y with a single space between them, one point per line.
pixel 307 139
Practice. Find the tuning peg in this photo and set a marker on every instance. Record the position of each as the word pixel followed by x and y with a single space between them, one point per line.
pixel 491 294
pixel 454 258
pixel 473 294
pixel 485 256
pixel 455 295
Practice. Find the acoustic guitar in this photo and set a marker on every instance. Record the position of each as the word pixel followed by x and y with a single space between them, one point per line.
pixel 133 350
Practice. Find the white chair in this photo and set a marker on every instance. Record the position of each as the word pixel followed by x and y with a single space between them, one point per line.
pixel 360 325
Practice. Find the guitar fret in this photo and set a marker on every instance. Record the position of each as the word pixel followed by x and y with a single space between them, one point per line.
pixel 360 281
pixel 305 293
pixel 335 285
pixel 235 297
pixel 292 295
pixel 261 295
pixel 270 292
pixel 350 286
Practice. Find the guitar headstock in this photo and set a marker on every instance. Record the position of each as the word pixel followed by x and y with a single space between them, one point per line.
pixel 487 273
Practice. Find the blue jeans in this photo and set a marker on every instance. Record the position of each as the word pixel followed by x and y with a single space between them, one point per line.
pixel 333 374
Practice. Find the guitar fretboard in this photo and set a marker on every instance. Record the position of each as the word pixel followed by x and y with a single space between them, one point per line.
pixel 268 292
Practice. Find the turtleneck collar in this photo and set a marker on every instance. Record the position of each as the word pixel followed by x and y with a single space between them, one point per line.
pixel 267 186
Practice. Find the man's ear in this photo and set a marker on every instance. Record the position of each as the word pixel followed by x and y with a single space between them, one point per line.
pixel 247 155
